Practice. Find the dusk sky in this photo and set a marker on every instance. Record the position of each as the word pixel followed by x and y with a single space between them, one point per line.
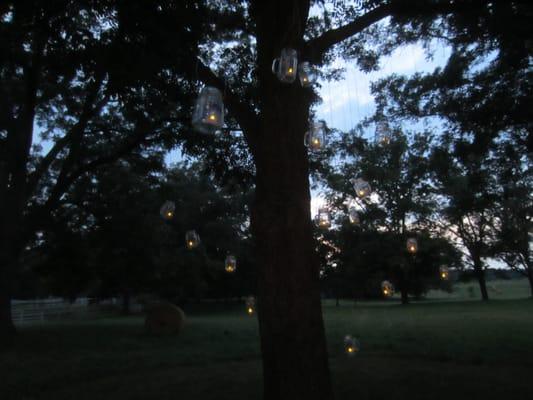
pixel 349 101
pixel 346 102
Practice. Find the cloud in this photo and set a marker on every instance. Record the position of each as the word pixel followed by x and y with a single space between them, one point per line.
pixel 403 59
pixel 346 102
pixel 316 202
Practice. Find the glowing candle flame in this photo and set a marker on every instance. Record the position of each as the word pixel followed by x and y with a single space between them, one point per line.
pixel 316 143
pixel 351 345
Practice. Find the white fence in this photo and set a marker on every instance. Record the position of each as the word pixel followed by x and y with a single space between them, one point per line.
pixel 37 311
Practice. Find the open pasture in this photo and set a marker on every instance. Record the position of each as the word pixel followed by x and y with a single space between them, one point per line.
pixel 448 350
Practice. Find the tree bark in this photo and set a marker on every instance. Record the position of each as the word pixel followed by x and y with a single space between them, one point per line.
pixel 480 274
pixel 126 302
pixel 404 289
pixel 293 342
pixel 13 182
pixel 295 362
pixel 8 265
pixel 7 328
pixel 530 279
pixel 404 296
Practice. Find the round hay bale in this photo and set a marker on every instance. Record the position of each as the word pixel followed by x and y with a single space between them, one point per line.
pixel 164 318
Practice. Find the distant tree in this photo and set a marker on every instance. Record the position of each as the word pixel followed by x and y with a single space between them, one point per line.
pixel 219 215
pixel 365 258
pixel 121 204
pixel 120 245
pixel 93 92
pixel 463 172
pixel 103 231
pixel 514 211
pixel 65 269
pixel 398 172
pixel 483 90
pixel 467 184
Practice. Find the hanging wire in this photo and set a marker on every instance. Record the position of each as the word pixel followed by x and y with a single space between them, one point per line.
pixel 349 79
pixel 357 110
pixel 329 104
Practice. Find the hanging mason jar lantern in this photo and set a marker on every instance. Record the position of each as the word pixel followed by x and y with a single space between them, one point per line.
pixel 208 115
pixel 192 239
pixel 351 345
pixel 285 66
pixel 306 74
pixel 412 245
pixel 323 219
pixel 353 215
pixel 167 210
pixel 250 305
pixel 444 272
pixel 362 188
pixel 231 264
pixel 315 137
pixel 383 134
pixel 387 289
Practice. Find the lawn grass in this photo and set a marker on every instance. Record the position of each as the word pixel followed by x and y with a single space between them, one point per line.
pixel 498 290
pixel 427 350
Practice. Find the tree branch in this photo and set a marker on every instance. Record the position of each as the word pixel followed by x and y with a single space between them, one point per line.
pixel 39 213
pixel 76 138
pixel 62 143
pixel 126 148
pixel 315 48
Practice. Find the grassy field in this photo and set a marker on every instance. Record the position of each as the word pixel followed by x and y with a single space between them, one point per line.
pixel 498 290
pixel 429 350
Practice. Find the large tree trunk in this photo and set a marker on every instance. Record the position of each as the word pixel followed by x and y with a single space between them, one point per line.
pixel 7 328
pixel 8 264
pixel 293 343
pixel 295 363
pixel 404 295
pixel 126 301
pixel 530 279
pixel 10 250
pixel 480 275
pixel 13 184
pixel 404 282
